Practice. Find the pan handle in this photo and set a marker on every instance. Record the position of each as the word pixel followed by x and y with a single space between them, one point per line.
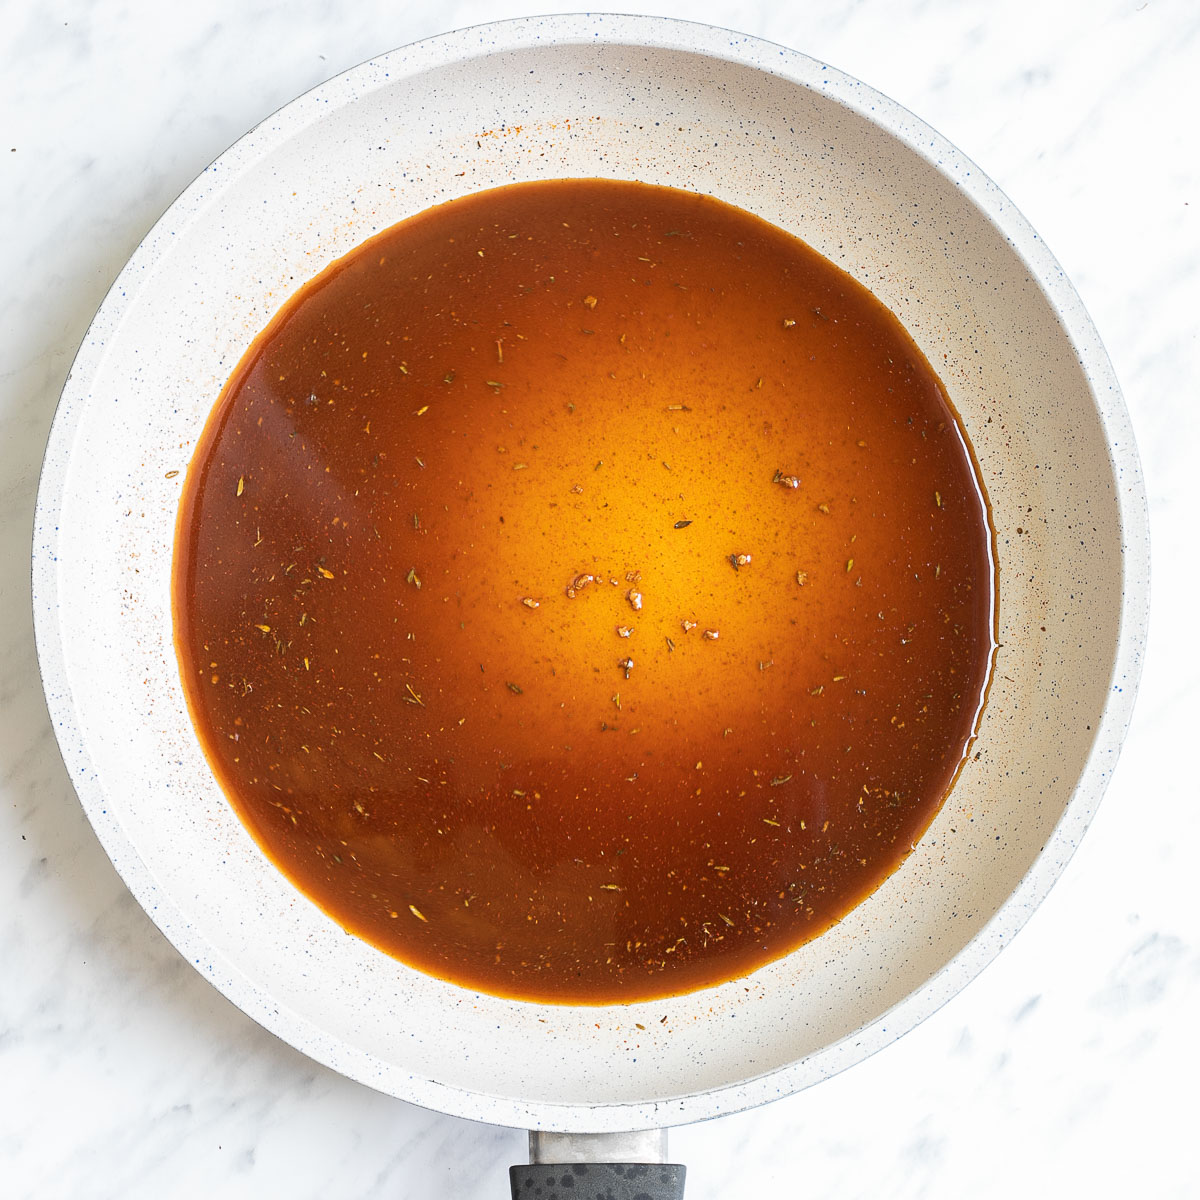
pixel 620 1166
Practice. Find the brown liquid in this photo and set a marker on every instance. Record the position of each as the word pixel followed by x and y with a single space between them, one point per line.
pixel 430 730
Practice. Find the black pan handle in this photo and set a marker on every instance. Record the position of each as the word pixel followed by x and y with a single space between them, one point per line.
pixel 597 1181
pixel 598 1166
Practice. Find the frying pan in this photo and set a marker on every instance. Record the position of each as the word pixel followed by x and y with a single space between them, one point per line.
pixel 866 184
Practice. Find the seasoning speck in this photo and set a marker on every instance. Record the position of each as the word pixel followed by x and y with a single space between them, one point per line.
pixel 529 602
pixel 516 691
pixel 578 584
pixel 682 524
pixel 416 912
pixel 635 600
pixel 712 634
pixel 241 487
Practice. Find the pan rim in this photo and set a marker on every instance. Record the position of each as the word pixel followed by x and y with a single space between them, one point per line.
pixel 659 34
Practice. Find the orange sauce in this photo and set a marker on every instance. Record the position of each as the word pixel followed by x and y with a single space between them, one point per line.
pixel 584 591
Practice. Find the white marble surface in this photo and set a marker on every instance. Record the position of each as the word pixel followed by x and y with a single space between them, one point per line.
pixel 1067 1068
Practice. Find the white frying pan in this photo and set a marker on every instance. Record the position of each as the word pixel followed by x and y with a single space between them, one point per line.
pixel 867 185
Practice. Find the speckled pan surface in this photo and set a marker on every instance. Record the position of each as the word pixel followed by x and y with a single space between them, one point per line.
pixel 801 145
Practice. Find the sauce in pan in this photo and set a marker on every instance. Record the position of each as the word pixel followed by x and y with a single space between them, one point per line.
pixel 584 591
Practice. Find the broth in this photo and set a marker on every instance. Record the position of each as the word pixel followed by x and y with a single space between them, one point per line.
pixel 584 591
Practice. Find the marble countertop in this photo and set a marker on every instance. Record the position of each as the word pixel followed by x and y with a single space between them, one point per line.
pixel 1067 1068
